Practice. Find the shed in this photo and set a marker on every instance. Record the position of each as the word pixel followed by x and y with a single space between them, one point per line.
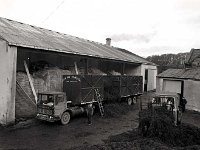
pixel 184 81
pixel 42 48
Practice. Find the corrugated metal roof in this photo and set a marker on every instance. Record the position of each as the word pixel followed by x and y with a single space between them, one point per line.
pixel 24 35
pixel 192 73
pixel 139 57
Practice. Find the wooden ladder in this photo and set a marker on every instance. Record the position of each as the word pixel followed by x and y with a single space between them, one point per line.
pixel 99 100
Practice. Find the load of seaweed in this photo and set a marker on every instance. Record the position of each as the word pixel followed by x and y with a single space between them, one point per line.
pixel 115 110
pixel 159 123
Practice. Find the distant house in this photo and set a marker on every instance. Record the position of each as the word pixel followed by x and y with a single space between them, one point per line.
pixel 42 48
pixel 184 81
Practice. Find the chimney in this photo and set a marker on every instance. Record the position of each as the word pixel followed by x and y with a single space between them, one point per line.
pixel 108 41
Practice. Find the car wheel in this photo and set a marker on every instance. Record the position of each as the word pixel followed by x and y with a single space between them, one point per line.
pixel 65 118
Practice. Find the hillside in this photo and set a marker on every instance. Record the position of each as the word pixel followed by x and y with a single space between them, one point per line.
pixel 166 61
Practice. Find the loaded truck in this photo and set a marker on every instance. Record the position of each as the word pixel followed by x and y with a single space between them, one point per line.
pixel 82 90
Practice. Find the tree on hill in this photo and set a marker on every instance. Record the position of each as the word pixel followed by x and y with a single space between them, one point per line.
pixel 166 61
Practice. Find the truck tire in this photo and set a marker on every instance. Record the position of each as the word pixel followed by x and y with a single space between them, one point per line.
pixel 65 118
pixel 93 109
pixel 129 101
pixel 134 100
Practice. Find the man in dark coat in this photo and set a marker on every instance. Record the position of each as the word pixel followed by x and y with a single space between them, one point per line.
pixel 89 111
pixel 183 103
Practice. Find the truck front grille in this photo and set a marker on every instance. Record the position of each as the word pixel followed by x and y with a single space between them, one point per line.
pixel 45 111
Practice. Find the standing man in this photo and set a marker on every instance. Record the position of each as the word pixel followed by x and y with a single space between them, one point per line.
pixel 183 103
pixel 89 111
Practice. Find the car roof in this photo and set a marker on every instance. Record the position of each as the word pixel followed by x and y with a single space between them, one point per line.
pixel 166 94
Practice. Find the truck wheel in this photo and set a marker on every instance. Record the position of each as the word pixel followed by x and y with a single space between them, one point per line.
pixel 65 118
pixel 93 109
pixel 129 101
pixel 134 100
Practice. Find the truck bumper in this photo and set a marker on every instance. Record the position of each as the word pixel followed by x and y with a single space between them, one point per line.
pixel 47 118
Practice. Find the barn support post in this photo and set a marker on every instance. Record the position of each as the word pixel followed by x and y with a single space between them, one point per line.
pixel 123 68
pixel 86 66
pixel 8 63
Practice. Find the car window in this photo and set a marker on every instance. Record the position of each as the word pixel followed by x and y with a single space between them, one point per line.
pixel 170 100
pixel 44 97
pixel 156 100
pixel 50 98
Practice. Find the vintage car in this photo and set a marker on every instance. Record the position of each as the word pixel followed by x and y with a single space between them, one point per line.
pixel 172 103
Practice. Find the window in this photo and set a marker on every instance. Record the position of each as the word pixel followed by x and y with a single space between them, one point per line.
pixel 59 99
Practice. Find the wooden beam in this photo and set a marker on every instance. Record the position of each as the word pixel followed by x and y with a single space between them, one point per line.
pixel 86 66
pixel 123 68
pixel 30 81
pixel 76 68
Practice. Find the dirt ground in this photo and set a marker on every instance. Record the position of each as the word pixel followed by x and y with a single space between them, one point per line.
pixel 192 117
pixel 114 131
pixel 44 135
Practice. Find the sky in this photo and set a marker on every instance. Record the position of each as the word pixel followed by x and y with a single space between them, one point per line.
pixel 144 27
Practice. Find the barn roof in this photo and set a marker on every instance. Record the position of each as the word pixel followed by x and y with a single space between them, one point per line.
pixel 24 35
pixel 192 73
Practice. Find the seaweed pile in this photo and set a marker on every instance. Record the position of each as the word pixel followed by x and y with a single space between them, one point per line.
pixel 115 110
pixel 160 124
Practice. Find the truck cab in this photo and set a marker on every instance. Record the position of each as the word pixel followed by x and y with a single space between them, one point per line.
pixel 53 106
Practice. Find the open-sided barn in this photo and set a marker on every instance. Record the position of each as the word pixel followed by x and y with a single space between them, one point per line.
pixel 63 54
